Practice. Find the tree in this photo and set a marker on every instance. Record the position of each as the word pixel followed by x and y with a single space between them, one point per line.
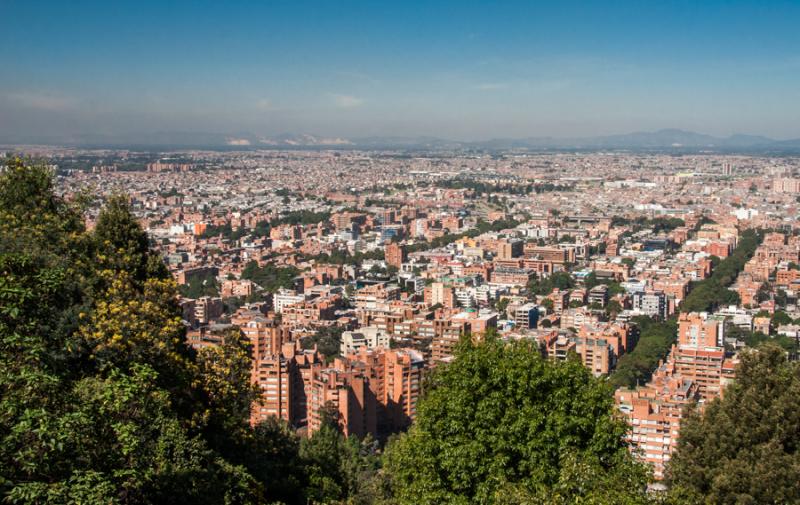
pixel 225 374
pixel 200 285
pixel 501 424
pixel 781 298
pixel 501 305
pixel 744 447
pixel 655 340
pixel 755 339
pixel 764 292
pixel 328 340
pixel 713 292
pixel 122 245
pixel 560 280
pixel 780 318
pixel 270 277
pixel 590 280
pixel 101 398
pixel 613 308
pixel 338 467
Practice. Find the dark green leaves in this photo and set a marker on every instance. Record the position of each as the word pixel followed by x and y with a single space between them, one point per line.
pixel 502 421
pixel 744 447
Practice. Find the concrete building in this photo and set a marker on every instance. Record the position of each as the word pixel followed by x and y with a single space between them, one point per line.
pixel 698 330
pixel 526 316
pixel 439 293
pixel 206 309
pixel 650 303
pixel 654 413
pixel 598 295
pixel 508 249
pixel 285 297
pixel 368 337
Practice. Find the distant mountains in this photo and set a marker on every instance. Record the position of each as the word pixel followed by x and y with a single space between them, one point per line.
pixel 661 140
pixel 667 138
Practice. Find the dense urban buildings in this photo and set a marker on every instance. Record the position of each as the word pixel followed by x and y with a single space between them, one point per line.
pixel 353 274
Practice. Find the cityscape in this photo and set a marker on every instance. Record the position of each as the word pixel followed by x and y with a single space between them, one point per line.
pixel 383 314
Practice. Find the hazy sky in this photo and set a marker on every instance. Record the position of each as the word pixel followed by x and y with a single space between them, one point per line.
pixel 459 69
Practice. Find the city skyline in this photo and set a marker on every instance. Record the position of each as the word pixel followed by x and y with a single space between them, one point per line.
pixel 399 253
pixel 461 72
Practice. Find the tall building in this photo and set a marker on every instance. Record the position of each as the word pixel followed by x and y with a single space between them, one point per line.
pixel 727 169
pixel 206 309
pixel 698 330
pixel 274 374
pixel 403 383
pixel 508 249
pixel 650 303
pixel 441 294
pixel 343 391
pixel 697 370
pixel 266 336
pixel 370 391
pixel 654 412
pixel 395 254
pixel 280 369
pixel 526 316
pixel 706 367
pixel 786 185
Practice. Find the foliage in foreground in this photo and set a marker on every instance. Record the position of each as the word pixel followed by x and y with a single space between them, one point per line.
pixel 503 425
pixel 101 400
pixel 744 447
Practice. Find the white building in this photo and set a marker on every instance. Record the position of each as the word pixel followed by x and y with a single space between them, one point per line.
pixel 650 303
pixel 368 336
pixel 284 298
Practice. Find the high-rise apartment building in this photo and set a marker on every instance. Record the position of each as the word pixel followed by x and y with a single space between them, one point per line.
pixel 650 303
pixel 786 185
pixel 697 370
pixel 395 254
pixel 654 412
pixel 698 330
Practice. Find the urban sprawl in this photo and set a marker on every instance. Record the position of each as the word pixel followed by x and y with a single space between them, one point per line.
pixel 353 274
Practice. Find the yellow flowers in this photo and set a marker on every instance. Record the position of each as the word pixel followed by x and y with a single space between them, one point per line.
pixel 133 324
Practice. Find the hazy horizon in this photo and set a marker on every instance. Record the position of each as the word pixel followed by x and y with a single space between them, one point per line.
pixel 450 70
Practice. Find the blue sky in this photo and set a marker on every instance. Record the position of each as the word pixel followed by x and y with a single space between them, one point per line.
pixel 456 69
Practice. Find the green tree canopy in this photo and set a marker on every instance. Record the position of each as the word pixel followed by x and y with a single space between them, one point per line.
pixel 560 280
pixel 713 292
pixel 744 447
pixel 122 245
pixel 101 400
pixel 270 277
pixel 655 341
pixel 501 424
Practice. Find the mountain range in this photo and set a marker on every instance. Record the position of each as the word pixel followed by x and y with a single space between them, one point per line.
pixel 661 140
